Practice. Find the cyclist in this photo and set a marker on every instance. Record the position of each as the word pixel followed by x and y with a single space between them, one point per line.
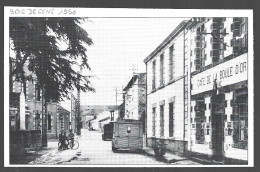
pixel 71 137
pixel 62 139
pixel 66 143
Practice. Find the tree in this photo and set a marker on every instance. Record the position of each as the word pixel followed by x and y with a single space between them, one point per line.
pixel 51 48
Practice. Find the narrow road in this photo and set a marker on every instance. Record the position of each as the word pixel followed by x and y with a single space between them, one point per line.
pixel 94 151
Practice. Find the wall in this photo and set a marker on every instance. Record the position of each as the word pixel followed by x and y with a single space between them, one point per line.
pixel 131 101
pixel 175 146
pixel 175 89
pixel 35 106
pixel 168 92
pixel 20 140
pixel 178 44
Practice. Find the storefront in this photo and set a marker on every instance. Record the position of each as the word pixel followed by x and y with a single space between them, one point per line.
pixel 231 77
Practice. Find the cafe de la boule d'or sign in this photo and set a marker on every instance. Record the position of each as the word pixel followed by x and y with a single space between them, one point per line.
pixel 227 73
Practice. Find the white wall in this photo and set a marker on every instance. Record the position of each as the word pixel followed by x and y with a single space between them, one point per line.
pixel 176 89
pixel 131 102
pixel 173 90
pixel 178 53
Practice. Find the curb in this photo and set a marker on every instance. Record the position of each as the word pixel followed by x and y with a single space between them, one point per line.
pixel 161 159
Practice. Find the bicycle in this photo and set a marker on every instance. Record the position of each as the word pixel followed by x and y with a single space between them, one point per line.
pixel 73 144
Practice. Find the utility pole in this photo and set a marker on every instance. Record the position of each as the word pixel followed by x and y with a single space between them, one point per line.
pixel 116 98
pixel 78 108
pixel 44 119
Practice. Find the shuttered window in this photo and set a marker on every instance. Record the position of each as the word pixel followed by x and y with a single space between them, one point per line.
pixel 154 75
pixel 153 121
pixel 162 69
pixel 162 120
pixel 49 121
pixel 37 92
pixel 171 64
pixel 171 119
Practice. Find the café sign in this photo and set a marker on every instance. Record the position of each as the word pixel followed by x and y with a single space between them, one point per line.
pixel 227 73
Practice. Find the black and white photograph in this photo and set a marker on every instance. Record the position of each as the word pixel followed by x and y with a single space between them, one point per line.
pixel 88 87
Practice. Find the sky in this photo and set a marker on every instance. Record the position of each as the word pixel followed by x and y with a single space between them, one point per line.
pixel 120 45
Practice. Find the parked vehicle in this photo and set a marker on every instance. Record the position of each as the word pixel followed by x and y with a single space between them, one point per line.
pixel 127 135
pixel 108 131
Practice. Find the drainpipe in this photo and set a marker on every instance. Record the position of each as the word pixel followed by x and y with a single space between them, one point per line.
pixel 145 120
pixel 183 87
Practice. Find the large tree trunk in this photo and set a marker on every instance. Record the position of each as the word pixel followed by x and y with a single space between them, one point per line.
pixel 44 119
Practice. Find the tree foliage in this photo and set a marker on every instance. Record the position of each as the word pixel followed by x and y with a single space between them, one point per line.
pixel 39 43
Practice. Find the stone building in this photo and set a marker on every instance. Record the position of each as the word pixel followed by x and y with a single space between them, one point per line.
pixel 63 118
pixel 220 56
pixel 135 97
pixel 33 107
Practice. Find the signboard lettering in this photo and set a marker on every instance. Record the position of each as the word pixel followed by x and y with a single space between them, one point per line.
pixel 230 72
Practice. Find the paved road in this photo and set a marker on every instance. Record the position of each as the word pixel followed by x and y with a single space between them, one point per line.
pixel 92 151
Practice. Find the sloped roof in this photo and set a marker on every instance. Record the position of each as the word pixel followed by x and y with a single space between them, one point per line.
pixel 62 109
pixel 173 34
pixel 133 79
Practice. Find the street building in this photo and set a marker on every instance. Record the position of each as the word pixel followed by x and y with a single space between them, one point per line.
pixel 121 109
pixel 167 92
pixel 103 118
pixel 197 93
pixel 63 119
pixel 220 57
pixel 135 97
pixel 32 117
pixel 134 101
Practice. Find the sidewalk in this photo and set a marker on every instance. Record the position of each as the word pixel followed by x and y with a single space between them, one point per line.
pixel 42 154
pixel 169 158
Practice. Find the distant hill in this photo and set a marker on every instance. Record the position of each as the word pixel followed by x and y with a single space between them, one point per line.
pixel 91 110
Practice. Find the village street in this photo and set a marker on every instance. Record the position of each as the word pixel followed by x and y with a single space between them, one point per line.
pixel 92 150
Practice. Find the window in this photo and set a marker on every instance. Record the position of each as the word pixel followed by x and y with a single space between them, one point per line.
pixel 49 122
pixel 171 63
pixel 162 69
pixel 154 75
pixel 171 119
pixel 153 121
pixel 37 92
pixel 161 120
pixel 37 121
pixel 27 121
pixel 240 122
pixel 61 123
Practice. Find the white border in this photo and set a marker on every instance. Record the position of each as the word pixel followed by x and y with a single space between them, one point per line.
pixel 116 12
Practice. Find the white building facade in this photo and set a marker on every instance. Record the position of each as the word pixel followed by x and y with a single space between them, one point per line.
pixel 167 91
pixel 135 97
